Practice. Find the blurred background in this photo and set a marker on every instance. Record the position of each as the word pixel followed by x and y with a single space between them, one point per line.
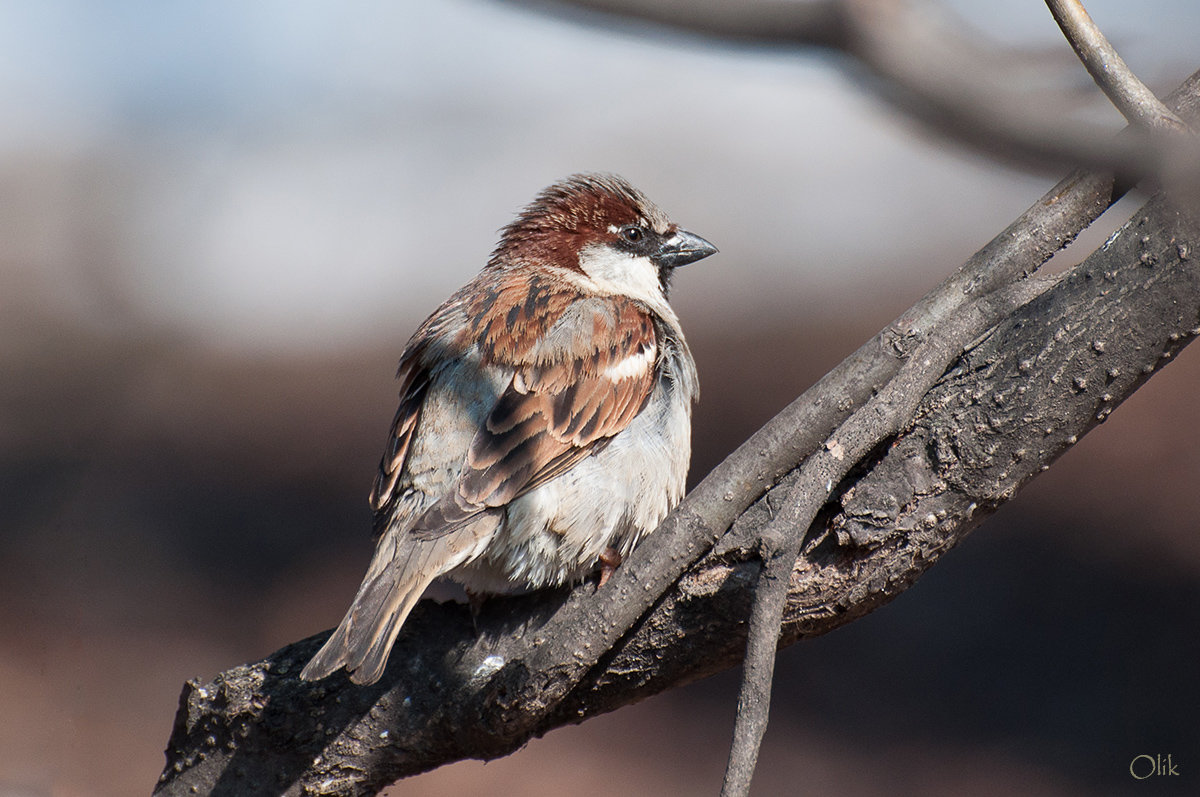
pixel 219 223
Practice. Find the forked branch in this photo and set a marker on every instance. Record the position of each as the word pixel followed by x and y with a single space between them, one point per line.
pixel 1021 395
pixel 781 540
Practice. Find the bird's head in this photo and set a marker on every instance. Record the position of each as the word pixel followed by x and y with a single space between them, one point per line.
pixel 599 230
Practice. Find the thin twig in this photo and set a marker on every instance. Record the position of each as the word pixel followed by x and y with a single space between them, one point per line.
pixel 1136 102
pixel 758 668
pixel 882 417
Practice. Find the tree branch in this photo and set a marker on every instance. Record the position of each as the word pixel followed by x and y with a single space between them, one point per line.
pixel 884 416
pixel 1021 395
pixel 1137 103
pixel 780 542
pixel 777 555
pixel 922 59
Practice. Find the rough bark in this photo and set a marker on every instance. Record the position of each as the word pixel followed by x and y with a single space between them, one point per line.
pixel 1018 398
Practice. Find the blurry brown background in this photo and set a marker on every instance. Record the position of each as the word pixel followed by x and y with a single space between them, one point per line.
pixel 219 224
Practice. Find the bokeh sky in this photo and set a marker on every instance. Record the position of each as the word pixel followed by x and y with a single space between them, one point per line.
pixel 249 149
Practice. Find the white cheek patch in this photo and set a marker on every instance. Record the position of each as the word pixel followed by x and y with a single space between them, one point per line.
pixel 616 272
pixel 633 365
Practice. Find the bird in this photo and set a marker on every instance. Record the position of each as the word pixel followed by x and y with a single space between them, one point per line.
pixel 544 424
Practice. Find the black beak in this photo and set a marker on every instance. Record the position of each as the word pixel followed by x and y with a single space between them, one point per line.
pixel 682 248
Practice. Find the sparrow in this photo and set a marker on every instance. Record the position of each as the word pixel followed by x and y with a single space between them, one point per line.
pixel 545 412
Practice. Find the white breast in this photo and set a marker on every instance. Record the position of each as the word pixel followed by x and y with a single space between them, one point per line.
pixel 555 533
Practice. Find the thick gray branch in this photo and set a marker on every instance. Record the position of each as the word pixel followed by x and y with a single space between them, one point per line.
pixel 1013 403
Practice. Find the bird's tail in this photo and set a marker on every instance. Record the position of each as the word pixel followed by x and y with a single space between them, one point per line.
pixel 400 570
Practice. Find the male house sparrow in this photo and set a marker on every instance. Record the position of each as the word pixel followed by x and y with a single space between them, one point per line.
pixel 545 415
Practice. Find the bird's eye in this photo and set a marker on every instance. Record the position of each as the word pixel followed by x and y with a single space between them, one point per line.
pixel 631 233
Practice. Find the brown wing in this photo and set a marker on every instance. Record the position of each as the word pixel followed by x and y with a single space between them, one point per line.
pixel 560 407
pixel 414 383
pixel 441 331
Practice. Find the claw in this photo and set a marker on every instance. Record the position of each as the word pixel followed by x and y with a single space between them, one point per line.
pixel 475 601
pixel 610 560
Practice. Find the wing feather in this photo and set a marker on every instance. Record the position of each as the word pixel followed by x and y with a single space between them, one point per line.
pixel 560 407
pixel 414 385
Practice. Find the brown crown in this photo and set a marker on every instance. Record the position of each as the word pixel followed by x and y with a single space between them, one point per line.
pixel 571 213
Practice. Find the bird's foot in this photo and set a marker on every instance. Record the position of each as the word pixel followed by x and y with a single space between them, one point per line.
pixel 475 601
pixel 610 560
